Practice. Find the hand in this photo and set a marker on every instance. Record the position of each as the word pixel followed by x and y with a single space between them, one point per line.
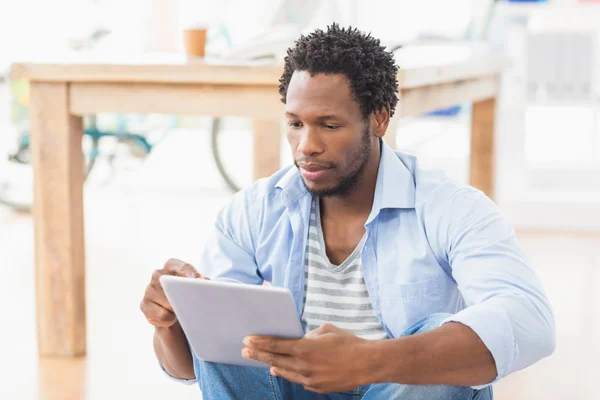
pixel 155 306
pixel 326 360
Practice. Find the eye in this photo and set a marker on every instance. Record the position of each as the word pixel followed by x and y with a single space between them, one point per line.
pixel 330 126
pixel 295 124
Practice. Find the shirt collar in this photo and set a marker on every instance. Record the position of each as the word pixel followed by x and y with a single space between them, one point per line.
pixel 395 187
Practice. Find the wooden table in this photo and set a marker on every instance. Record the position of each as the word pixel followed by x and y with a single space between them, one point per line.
pixel 61 93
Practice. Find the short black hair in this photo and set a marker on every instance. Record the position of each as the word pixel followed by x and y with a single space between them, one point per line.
pixel 369 68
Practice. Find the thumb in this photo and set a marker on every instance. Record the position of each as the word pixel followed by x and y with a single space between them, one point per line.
pixel 315 333
pixel 327 327
pixel 188 271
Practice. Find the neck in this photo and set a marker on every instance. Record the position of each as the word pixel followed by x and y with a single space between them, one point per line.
pixel 360 200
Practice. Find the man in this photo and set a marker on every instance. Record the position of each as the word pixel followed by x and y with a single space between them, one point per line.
pixel 410 285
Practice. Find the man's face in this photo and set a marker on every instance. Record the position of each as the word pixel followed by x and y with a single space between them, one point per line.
pixel 330 140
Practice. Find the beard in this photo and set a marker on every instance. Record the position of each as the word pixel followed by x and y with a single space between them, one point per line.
pixel 349 181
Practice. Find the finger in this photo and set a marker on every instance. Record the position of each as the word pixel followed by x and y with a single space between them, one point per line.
pixel 313 389
pixel 328 327
pixel 315 333
pixel 156 274
pixel 274 360
pixel 273 344
pixel 157 295
pixel 181 268
pixel 289 375
pixel 157 315
pixel 188 271
pixel 322 330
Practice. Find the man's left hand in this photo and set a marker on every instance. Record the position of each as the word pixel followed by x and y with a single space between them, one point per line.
pixel 326 360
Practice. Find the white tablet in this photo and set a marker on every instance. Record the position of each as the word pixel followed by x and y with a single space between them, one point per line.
pixel 217 316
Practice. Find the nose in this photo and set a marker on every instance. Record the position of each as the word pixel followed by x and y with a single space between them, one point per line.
pixel 310 142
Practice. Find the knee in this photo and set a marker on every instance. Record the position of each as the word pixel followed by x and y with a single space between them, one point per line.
pixel 213 370
pixel 394 391
pixel 206 367
pixel 208 370
pixel 428 323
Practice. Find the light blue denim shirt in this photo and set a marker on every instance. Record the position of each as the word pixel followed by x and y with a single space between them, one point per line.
pixel 433 246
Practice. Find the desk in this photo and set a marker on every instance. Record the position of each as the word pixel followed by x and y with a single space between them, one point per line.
pixel 61 93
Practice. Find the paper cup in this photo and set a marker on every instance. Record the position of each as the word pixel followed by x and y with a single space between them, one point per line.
pixel 195 41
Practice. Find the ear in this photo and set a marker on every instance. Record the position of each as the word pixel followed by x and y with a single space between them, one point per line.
pixel 380 121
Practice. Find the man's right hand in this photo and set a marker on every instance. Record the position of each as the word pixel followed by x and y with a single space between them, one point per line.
pixel 155 306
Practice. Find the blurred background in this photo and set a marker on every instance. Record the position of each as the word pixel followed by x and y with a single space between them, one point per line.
pixel 155 182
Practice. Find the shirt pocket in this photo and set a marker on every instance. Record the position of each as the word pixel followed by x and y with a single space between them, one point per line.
pixel 404 304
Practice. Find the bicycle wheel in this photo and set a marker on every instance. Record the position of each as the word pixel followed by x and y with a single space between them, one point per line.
pixel 16 185
pixel 216 152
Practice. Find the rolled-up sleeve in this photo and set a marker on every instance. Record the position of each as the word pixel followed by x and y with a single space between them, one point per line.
pixel 506 305
pixel 179 380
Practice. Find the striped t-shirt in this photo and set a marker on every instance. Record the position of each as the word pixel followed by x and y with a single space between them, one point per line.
pixel 336 293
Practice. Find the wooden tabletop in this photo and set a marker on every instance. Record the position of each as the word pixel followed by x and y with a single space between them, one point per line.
pixel 177 69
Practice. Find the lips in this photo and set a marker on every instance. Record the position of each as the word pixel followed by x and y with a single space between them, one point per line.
pixel 313 172
pixel 313 167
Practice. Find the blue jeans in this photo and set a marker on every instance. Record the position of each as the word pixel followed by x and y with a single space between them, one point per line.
pixel 222 381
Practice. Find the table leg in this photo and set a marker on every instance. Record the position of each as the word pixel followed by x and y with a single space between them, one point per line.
pixel 267 147
pixel 482 146
pixel 58 218
pixel 62 378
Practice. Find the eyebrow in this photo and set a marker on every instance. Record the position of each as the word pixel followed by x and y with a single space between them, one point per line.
pixel 322 117
pixel 329 116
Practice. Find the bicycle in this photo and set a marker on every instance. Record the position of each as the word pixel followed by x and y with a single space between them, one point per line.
pixel 137 144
